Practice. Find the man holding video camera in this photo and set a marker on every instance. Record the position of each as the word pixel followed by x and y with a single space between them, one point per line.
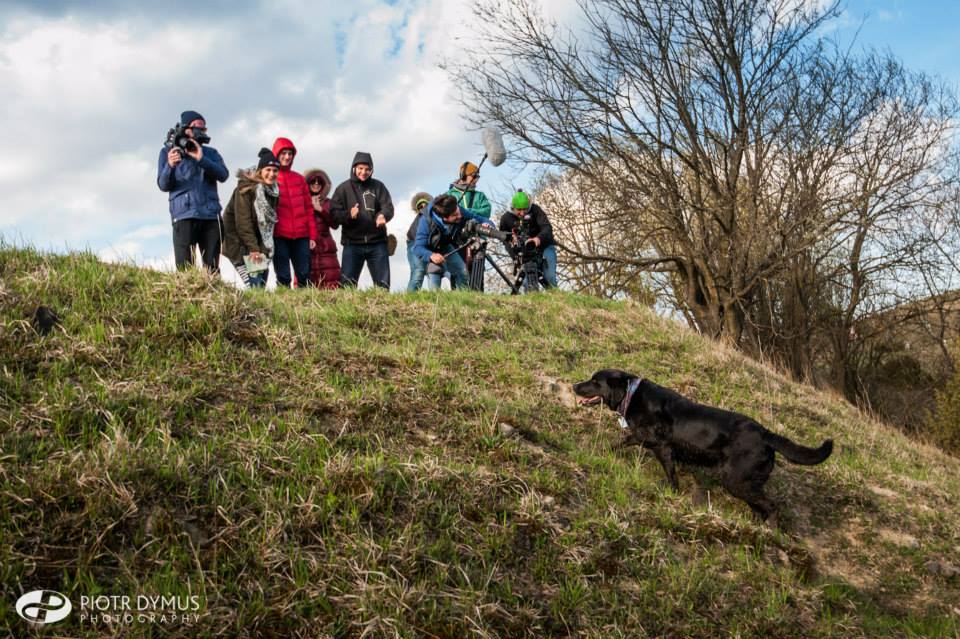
pixel 439 235
pixel 189 172
pixel 528 225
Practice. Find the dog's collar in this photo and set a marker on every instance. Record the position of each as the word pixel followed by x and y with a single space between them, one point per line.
pixel 625 402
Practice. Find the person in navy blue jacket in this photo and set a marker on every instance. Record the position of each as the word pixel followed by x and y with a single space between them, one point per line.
pixel 438 237
pixel 190 177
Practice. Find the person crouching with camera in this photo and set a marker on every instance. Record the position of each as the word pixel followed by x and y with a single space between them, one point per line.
pixel 189 172
pixel 529 225
pixel 249 219
pixel 438 238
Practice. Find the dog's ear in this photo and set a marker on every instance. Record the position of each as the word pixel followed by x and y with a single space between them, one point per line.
pixel 613 378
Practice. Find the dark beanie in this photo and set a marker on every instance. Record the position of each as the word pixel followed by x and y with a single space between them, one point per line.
pixel 189 116
pixel 267 158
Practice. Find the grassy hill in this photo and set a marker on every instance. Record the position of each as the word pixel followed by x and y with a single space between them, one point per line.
pixel 361 464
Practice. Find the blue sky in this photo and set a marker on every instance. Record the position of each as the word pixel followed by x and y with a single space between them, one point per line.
pixel 925 34
pixel 91 88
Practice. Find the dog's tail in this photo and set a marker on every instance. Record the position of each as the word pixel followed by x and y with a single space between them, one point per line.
pixel 799 454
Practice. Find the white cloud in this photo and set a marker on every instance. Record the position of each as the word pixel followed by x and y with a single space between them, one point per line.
pixel 88 99
pixel 89 94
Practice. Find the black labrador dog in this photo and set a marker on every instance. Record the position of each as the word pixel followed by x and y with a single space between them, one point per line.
pixel 677 429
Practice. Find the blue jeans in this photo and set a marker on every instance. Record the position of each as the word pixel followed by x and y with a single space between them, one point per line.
pixel 296 251
pixel 550 270
pixel 259 280
pixel 418 268
pixel 457 268
pixel 376 258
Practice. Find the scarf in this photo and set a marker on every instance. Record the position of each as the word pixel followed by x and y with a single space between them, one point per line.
pixel 266 213
pixel 467 193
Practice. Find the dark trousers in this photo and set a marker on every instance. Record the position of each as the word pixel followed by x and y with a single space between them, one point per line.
pixel 297 251
pixel 376 258
pixel 194 232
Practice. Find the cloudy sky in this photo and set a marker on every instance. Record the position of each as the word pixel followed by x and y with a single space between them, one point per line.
pixel 90 89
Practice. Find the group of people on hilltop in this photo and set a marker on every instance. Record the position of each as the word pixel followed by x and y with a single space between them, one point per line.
pixel 277 215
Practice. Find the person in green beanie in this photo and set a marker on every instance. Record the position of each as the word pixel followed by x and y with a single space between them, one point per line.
pixel 524 213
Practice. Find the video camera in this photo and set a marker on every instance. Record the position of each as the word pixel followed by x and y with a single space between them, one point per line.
pixel 526 256
pixel 475 228
pixel 177 138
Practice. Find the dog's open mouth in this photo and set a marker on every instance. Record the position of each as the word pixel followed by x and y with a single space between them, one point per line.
pixel 588 401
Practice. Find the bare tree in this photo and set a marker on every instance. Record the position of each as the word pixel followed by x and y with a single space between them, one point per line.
pixel 772 182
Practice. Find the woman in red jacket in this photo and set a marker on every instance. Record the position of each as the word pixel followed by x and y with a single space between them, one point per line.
pixel 295 234
pixel 324 266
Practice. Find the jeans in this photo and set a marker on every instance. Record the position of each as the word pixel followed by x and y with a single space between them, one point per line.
pixel 377 260
pixel 259 280
pixel 457 268
pixel 192 232
pixel 550 270
pixel 297 251
pixel 418 269
pixel 256 280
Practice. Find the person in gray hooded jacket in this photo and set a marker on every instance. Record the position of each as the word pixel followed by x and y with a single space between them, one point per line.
pixel 362 207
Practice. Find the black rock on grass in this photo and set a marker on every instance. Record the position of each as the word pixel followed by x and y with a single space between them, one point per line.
pixel 44 319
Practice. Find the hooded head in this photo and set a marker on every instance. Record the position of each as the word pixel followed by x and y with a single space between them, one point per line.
pixel 281 144
pixel 312 174
pixel 419 201
pixel 362 157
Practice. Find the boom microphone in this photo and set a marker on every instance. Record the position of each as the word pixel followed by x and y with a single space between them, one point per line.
pixel 493 145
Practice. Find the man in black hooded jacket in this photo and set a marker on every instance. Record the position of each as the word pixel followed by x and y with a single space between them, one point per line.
pixel 362 206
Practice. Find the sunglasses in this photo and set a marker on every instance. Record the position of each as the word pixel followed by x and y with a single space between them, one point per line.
pixel 317 181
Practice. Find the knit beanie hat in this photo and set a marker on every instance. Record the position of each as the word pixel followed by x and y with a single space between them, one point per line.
pixel 520 201
pixel 468 169
pixel 189 116
pixel 267 158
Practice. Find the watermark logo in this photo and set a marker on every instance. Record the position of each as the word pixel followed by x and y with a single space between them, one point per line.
pixel 44 606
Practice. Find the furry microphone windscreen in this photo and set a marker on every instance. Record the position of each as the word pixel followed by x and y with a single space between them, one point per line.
pixel 493 145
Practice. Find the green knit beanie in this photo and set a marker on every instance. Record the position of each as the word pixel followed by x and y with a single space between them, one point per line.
pixel 520 201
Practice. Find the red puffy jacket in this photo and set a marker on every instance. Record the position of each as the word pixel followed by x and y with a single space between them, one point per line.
pixel 295 209
pixel 324 266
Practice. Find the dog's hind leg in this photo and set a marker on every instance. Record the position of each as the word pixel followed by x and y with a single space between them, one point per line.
pixel 752 493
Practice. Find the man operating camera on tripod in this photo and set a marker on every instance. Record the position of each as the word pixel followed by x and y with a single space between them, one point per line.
pixel 532 235
pixel 439 237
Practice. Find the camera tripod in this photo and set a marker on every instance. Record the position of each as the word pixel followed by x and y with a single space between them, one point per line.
pixel 529 277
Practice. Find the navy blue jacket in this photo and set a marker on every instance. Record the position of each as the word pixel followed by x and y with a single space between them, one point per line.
pixel 434 236
pixel 192 185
